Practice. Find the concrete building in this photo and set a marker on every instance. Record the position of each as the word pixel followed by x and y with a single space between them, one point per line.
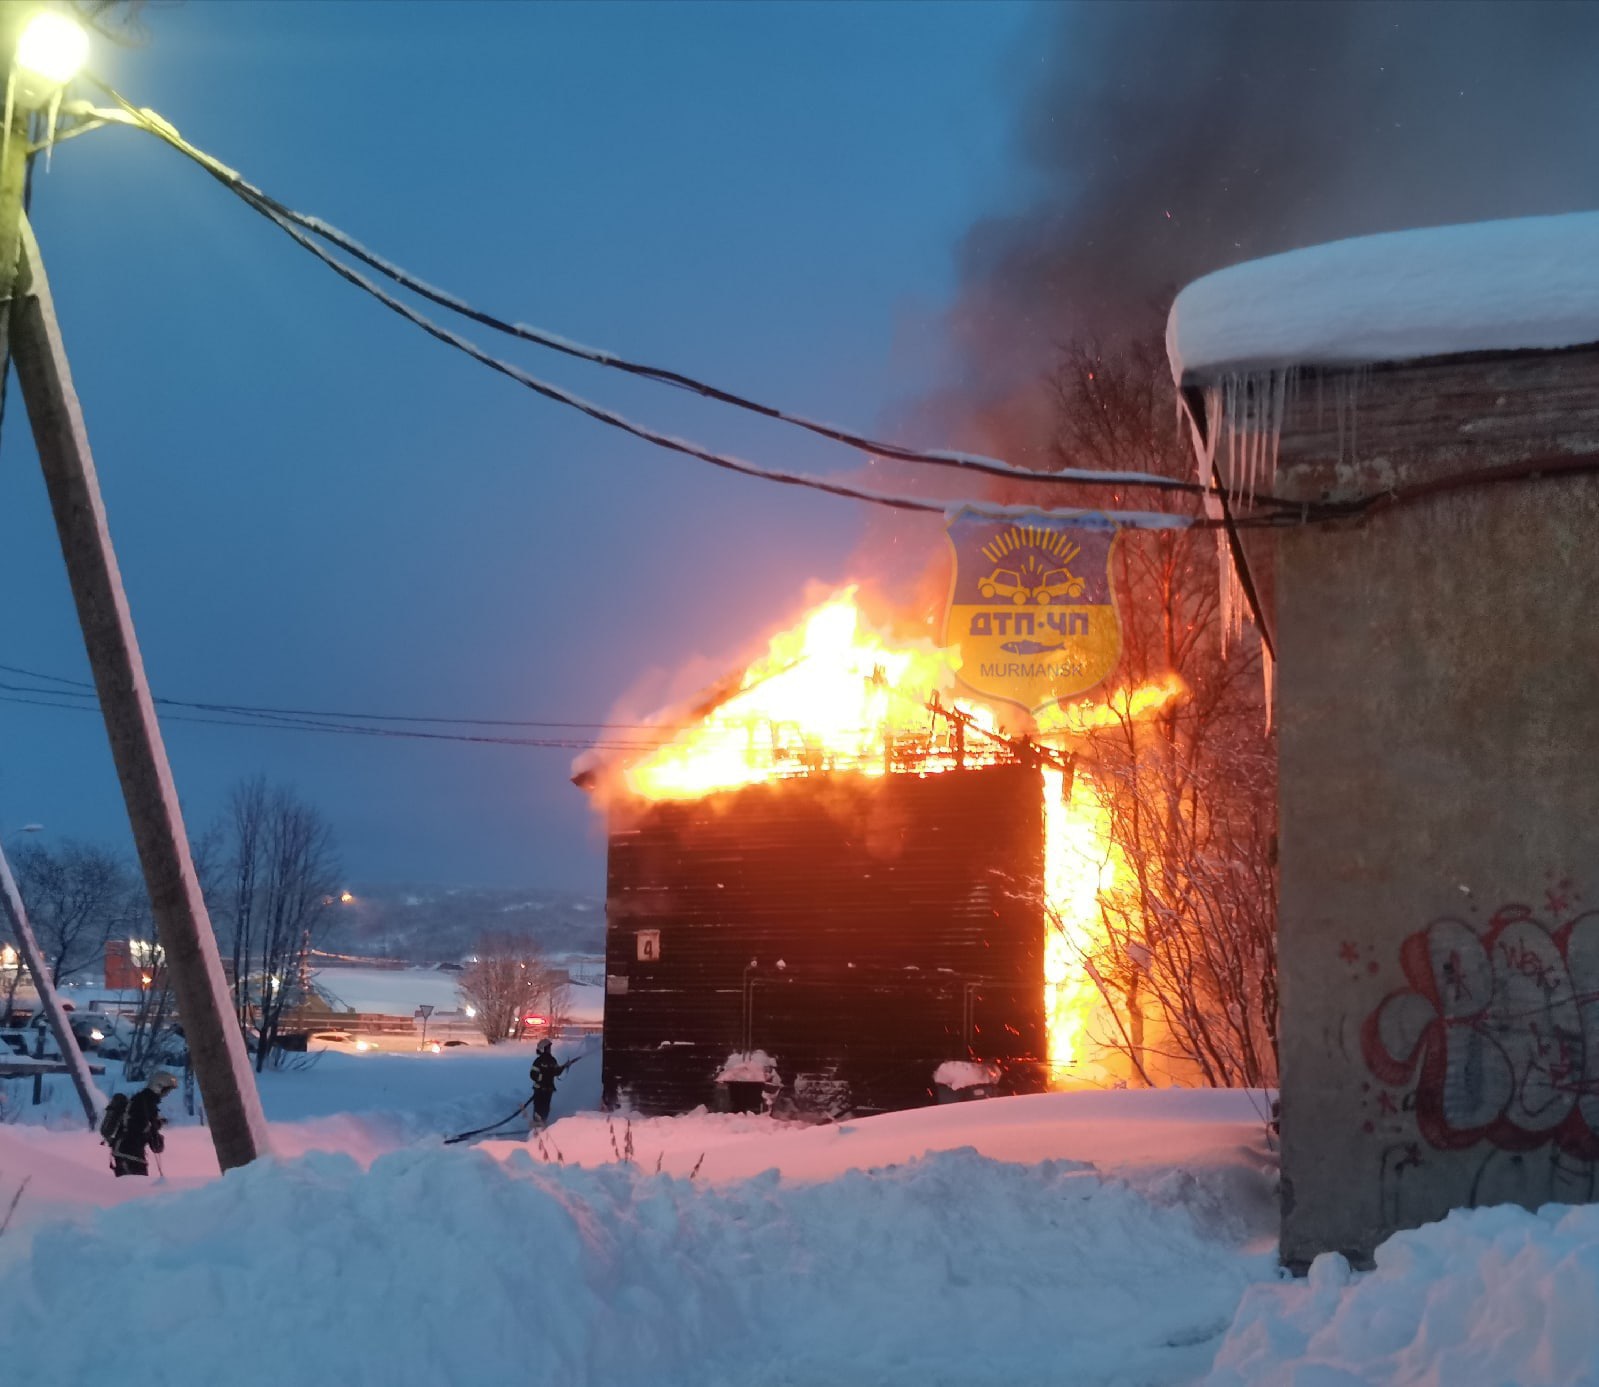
pixel 1437 706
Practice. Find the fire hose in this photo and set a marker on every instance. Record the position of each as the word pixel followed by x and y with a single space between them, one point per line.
pixel 509 1117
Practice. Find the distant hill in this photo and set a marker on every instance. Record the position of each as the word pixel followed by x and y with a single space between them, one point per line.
pixel 442 924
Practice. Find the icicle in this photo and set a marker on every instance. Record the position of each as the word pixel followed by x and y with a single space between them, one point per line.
pixel 1205 444
pixel 1228 575
pixel 1248 409
pixel 1268 675
pixel 1249 406
pixel 50 128
pixel 1345 402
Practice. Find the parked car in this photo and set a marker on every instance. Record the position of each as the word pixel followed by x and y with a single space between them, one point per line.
pixel 169 1049
pixel 342 1041
pixel 92 1028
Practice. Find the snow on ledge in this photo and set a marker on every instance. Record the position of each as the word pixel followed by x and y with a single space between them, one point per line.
pixel 964 1074
pixel 756 1067
pixel 1530 282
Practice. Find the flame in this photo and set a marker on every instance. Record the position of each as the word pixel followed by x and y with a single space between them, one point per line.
pixel 830 694
pixel 1119 709
pixel 835 694
pixel 1081 862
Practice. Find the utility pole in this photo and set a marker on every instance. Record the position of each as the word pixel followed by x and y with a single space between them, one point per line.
pixel 216 1044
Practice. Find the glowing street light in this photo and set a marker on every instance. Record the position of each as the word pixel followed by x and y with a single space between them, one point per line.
pixel 51 50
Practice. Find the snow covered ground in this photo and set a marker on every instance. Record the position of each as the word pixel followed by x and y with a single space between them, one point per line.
pixel 1078 1238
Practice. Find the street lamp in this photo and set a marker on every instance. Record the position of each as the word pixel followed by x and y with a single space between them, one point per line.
pixel 51 51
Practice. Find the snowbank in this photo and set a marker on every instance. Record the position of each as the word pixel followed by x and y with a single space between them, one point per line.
pixel 972 1243
pixel 1486 1296
pixel 1503 285
pixel 443 1266
pixel 1084 1238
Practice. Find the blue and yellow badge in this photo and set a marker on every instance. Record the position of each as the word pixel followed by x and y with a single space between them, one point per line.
pixel 1031 606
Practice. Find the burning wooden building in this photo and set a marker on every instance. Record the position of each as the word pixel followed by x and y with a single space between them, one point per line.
pixel 837 869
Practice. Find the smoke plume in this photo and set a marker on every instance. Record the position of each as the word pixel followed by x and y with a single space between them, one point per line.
pixel 1160 141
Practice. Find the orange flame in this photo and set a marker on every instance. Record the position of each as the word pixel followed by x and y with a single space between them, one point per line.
pixel 831 694
pixel 834 694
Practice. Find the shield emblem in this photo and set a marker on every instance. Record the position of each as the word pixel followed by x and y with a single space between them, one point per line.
pixel 1031 608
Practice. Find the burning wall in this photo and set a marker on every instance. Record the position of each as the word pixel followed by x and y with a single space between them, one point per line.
pixel 860 930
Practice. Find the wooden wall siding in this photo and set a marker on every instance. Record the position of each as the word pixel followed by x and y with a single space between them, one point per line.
pixel 905 912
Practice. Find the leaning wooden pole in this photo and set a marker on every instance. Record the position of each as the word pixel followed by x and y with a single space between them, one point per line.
pixel 49 999
pixel 216 1044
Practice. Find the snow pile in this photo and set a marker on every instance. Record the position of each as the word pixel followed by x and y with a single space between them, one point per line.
pixel 438 1266
pixel 1494 1295
pixel 1488 286
pixel 963 1074
pixel 755 1067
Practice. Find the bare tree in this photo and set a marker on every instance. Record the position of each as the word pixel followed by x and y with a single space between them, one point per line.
pixel 77 896
pixel 155 1040
pixel 508 979
pixel 281 876
pixel 1190 930
pixel 244 826
pixel 150 1038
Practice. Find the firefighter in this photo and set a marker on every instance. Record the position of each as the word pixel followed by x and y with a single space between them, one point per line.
pixel 141 1127
pixel 546 1069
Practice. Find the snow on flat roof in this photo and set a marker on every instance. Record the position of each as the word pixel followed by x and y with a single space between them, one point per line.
pixel 1530 282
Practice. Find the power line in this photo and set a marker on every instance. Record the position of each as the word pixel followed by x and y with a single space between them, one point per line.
pixel 1277 512
pixel 243 708
pixel 9 694
pixel 280 213
pixel 152 123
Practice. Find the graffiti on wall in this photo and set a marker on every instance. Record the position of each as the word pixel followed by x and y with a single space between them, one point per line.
pixel 1496 1032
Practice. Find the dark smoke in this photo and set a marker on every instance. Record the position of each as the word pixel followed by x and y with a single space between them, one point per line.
pixel 1162 141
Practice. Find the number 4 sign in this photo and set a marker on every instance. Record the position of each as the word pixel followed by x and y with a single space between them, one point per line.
pixel 649 945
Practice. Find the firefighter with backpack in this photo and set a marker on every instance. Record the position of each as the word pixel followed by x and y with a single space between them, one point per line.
pixel 132 1126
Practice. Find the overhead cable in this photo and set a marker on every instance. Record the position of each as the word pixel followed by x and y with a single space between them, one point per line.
pixel 11 695
pixel 1163 520
pixel 1277 511
pixel 281 213
pixel 82 688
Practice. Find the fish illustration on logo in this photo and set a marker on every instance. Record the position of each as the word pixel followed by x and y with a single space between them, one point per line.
pixel 1032 610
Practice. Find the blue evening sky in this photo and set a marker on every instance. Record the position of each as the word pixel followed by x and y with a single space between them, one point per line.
pixel 316 506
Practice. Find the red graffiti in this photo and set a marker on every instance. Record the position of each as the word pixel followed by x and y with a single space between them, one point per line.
pixel 1498 1030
